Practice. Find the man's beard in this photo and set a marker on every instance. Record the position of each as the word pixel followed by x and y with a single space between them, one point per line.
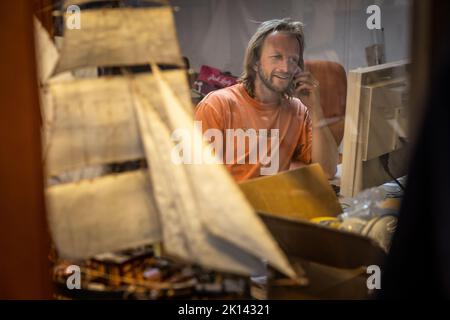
pixel 266 81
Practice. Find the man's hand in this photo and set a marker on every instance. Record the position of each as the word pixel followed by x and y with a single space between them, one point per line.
pixel 324 148
pixel 307 89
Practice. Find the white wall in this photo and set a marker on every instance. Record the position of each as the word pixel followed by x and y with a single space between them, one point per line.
pixel 216 32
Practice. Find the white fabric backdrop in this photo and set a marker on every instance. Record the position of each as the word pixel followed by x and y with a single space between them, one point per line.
pixel 216 32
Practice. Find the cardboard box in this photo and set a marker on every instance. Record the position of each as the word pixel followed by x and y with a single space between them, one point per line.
pixel 334 262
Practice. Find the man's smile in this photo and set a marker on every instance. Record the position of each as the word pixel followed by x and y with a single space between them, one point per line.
pixel 284 77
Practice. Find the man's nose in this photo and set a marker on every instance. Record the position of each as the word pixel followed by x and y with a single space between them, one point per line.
pixel 284 66
pixel 287 66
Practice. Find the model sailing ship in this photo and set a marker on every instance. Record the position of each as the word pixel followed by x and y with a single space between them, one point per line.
pixel 196 213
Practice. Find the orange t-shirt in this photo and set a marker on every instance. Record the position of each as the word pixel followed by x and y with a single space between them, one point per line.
pixel 233 108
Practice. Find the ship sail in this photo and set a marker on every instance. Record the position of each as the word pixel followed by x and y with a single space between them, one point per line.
pixel 197 211
pixel 119 37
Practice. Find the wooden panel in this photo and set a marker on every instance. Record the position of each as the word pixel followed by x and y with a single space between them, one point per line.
pixel 24 241
pixel 364 138
pixel 350 162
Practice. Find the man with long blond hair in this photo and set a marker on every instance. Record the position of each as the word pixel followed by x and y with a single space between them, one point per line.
pixel 264 101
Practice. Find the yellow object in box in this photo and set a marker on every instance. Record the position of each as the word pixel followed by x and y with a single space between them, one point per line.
pixel 331 222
